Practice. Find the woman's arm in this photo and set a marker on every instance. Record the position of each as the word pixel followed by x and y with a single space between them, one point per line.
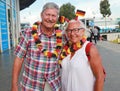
pixel 97 68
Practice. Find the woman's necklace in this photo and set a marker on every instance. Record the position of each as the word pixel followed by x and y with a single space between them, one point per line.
pixel 39 43
pixel 70 48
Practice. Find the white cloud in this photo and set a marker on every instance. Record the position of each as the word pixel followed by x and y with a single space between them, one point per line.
pixel 114 3
pixel 32 13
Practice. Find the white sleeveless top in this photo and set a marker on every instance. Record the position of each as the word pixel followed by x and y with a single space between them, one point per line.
pixel 76 72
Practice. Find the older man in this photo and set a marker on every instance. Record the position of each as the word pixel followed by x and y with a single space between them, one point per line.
pixel 38 49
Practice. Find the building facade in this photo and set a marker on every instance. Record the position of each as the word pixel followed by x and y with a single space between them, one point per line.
pixel 9 24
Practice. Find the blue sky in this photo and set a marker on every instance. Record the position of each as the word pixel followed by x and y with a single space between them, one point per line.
pixel 32 13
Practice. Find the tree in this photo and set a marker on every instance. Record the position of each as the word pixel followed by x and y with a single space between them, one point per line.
pixel 68 11
pixel 119 24
pixel 105 9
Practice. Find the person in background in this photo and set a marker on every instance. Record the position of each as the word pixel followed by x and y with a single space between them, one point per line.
pixel 78 72
pixel 39 48
pixel 95 31
pixel 90 35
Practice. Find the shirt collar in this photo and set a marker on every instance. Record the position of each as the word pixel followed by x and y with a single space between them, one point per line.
pixel 40 32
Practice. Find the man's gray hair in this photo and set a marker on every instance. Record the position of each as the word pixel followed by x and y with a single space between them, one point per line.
pixel 50 5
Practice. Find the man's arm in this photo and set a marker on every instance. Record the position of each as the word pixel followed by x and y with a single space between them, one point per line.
pixel 15 73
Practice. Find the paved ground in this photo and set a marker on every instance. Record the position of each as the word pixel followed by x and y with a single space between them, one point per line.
pixel 110 53
pixel 111 60
pixel 109 45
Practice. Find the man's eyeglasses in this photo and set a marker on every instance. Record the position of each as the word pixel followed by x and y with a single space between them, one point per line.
pixel 75 30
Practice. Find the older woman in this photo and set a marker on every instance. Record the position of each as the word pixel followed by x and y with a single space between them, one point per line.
pixel 79 73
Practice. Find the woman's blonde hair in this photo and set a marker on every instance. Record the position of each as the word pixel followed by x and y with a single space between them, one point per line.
pixel 73 20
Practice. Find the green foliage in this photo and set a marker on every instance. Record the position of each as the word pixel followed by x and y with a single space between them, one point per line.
pixel 116 41
pixel 105 8
pixel 119 24
pixel 68 11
